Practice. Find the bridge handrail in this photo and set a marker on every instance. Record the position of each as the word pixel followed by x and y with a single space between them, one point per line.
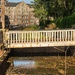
pixel 50 37
pixel 42 34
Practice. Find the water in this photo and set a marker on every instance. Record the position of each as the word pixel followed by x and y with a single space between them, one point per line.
pixel 42 65
pixel 24 63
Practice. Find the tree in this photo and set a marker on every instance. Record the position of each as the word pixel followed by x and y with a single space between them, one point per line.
pixel 40 11
pixel 66 22
pixel 69 7
pixel 44 9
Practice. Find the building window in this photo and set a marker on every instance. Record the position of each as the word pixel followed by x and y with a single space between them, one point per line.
pixel 0 10
pixel 0 2
pixel 26 13
pixel 26 17
pixel 27 21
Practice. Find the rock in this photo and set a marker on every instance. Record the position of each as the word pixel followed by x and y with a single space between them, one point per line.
pixel 61 71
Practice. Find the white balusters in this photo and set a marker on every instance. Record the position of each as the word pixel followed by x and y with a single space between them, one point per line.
pixel 52 36
pixel 69 34
pixel 30 37
pixel 49 36
pixel 36 38
pixel 19 36
pixel 64 35
pixel 55 36
pixel 73 35
pixel 24 37
pixel 60 38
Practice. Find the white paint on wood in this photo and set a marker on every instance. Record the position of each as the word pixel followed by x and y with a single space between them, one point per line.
pixel 41 38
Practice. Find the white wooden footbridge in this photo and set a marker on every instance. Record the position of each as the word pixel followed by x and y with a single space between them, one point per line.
pixel 41 38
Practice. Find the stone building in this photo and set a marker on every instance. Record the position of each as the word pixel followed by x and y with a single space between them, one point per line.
pixel 2 13
pixel 33 20
pixel 19 14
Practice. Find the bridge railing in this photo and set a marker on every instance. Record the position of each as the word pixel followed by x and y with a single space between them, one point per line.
pixel 40 36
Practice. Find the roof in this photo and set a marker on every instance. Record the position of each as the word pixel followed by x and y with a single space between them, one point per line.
pixel 30 5
pixel 11 4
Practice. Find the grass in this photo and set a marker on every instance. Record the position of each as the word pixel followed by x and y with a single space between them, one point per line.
pixel 33 27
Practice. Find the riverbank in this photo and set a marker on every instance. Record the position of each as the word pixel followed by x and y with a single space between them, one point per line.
pixel 3 61
pixel 2 52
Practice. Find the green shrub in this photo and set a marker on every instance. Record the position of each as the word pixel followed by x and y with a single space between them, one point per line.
pixel 35 27
pixel 58 22
pixel 66 22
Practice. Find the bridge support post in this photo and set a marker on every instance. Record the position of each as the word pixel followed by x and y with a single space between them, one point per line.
pixel 66 48
pixel 65 63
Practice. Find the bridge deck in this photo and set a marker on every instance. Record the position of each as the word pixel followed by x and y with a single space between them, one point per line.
pixel 19 39
pixel 17 45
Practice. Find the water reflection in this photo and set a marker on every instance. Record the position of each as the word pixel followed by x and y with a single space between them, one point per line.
pixel 24 63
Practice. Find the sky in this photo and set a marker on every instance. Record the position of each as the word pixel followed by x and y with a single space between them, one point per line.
pixel 27 1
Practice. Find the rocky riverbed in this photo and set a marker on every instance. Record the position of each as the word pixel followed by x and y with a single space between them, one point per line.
pixel 44 65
